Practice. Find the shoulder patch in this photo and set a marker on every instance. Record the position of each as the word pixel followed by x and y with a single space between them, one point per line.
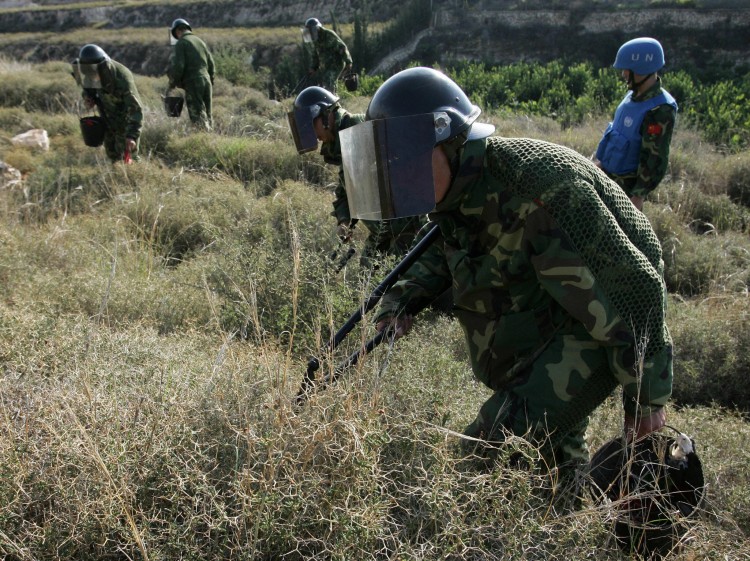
pixel 654 128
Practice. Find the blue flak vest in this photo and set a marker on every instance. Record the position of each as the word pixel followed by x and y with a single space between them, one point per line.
pixel 620 146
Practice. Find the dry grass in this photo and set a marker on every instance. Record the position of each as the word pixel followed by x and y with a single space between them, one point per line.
pixel 155 325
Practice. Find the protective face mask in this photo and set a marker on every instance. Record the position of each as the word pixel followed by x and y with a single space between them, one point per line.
pixel 90 76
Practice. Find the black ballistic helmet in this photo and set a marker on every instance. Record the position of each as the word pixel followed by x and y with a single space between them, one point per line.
pixel 313 23
pixel 420 90
pixel 315 97
pixel 309 104
pixel 654 485
pixel 92 54
pixel 179 23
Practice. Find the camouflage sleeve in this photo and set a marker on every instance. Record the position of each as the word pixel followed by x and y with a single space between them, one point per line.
pixel 176 66
pixel 316 57
pixel 132 104
pixel 343 50
pixel 568 280
pixel 340 201
pixel 211 68
pixel 656 132
pixel 424 281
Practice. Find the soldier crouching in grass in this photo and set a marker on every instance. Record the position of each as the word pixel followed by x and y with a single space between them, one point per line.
pixel 109 85
pixel 319 117
pixel 556 277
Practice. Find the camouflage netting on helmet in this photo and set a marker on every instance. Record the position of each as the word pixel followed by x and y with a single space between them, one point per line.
pixel 615 240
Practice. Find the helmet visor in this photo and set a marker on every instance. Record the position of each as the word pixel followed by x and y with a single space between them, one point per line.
pixel 307 35
pixel 90 76
pixel 388 166
pixel 77 72
pixel 172 38
pixel 301 124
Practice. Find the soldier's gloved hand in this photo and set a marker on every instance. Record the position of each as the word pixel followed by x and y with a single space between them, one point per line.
pixel 400 325
pixel 344 232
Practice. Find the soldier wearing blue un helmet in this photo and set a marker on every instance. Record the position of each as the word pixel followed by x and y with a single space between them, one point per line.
pixel 634 150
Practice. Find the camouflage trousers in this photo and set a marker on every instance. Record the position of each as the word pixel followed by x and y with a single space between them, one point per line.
pixel 114 146
pixel 550 401
pixel 327 79
pixel 198 98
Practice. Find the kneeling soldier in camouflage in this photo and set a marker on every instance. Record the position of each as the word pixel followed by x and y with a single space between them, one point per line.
pixel 556 277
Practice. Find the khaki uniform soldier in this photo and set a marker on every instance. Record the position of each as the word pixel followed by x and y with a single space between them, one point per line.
pixel 318 116
pixel 556 278
pixel 634 150
pixel 191 67
pixel 330 54
pixel 109 85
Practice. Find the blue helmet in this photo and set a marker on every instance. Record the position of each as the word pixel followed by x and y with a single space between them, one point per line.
pixel 643 56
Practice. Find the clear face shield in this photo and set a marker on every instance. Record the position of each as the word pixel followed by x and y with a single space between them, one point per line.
pixel 76 72
pixel 301 125
pixel 89 74
pixel 309 34
pixel 388 165
pixel 172 38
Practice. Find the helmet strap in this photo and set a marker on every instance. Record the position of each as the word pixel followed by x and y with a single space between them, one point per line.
pixel 452 148
pixel 633 85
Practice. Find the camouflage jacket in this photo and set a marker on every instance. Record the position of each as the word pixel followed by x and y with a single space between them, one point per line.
pixel 330 52
pixel 331 152
pixel 119 100
pixel 190 61
pixel 535 241
pixel 656 134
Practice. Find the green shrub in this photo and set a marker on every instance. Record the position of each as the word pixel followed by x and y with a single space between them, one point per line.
pixel 249 160
pixel 700 264
pixel 50 92
pixel 711 363
pixel 738 181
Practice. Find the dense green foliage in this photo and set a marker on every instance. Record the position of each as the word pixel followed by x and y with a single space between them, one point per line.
pixel 571 93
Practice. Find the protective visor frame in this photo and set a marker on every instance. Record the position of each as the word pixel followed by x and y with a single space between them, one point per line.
pixel 303 130
pixel 388 165
pixel 89 74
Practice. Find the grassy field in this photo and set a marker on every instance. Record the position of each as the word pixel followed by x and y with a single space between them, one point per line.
pixel 156 321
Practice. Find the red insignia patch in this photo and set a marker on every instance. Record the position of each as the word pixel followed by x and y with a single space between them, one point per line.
pixel 653 128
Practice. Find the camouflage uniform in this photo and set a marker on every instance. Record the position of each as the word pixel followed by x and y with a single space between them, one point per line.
pixel 656 132
pixel 330 57
pixel 557 283
pixel 121 107
pixel 392 237
pixel 191 67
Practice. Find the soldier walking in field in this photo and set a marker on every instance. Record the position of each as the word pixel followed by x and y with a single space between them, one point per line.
pixel 556 278
pixel 634 150
pixel 331 56
pixel 318 116
pixel 191 67
pixel 109 85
